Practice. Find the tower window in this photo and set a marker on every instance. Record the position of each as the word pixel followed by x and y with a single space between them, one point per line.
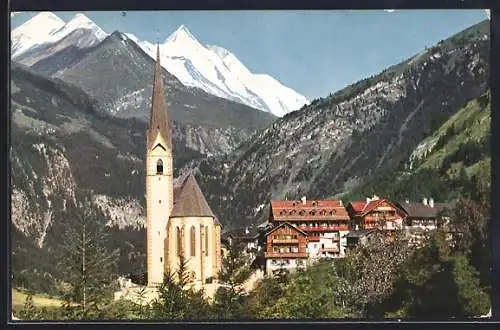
pixel 159 167
pixel 161 259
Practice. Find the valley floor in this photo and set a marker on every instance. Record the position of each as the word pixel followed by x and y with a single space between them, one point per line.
pixel 39 300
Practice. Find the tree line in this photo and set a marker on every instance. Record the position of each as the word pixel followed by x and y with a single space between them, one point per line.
pixel 442 278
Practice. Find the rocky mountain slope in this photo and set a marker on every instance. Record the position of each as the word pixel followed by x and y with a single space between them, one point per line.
pixel 445 165
pixel 46 33
pixel 209 124
pixel 219 72
pixel 342 141
pixel 210 68
pixel 65 140
pixel 61 145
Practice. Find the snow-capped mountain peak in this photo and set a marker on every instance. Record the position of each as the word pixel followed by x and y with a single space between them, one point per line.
pixel 212 68
pixel 182 34
pixel 79 21
pixel 230 60
pixel 38 26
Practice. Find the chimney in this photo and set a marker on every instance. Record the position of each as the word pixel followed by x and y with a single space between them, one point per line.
pixel 304 200
pixel 431 202
pixel 424 201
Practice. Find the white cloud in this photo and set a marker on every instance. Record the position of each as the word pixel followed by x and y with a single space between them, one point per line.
pixel 488 13
pixel 14 13
pixel 389 10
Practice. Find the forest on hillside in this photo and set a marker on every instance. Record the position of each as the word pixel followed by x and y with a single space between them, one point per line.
pixel 441 279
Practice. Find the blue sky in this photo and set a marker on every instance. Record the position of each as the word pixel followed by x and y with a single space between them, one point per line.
pixel 313 52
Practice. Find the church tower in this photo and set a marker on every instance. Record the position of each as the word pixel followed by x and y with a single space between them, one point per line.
pixel 159 179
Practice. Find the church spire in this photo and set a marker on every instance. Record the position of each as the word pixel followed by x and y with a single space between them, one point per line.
pixel 158 121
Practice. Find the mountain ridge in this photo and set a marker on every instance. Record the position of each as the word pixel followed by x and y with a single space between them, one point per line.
pixel 209 74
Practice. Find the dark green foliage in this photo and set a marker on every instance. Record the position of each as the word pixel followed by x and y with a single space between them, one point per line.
pixel 29 311
pixel 236 270
pixel 86 265
pixel 177 300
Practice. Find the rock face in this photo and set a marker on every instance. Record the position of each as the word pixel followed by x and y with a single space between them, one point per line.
pixel 86 130
pixel 339 142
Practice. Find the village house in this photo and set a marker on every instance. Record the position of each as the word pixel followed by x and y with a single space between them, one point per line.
pixel 375 213
pixel 424 217
pixel 286 248
pixel 322 223
pixel 248 236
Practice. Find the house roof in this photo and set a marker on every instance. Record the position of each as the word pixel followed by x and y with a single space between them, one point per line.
pixel 364 207
pixel 311 210
pixel 189 200
pixel 288 225
pixel 241 233
pixel 158 120
pixel 420 210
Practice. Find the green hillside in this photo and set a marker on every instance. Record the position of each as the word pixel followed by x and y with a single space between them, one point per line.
pixel 446 164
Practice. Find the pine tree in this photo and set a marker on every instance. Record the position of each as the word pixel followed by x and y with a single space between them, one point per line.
pixel 87 266
pixel 177 299
pixel 236 270
pixel 472 299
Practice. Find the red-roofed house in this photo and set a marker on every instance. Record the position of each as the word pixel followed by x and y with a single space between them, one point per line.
pixel 376 213
pixel 325 222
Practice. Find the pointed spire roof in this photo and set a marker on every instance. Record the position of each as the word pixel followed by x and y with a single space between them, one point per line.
pixel 158 120
pixel 190 201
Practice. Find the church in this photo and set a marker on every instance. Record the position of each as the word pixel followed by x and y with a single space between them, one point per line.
pixel 180 224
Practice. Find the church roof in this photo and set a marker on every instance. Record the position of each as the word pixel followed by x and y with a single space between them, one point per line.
pixel 189 200
pixel 158 120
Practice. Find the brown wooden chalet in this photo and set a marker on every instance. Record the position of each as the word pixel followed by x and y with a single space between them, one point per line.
pixel 376 213
pixel 426 214
pixel 314 217
pixel 286 241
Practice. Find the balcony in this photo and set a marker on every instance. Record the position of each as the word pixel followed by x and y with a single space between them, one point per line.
pixel 285 241
pixel 286 255
pixel 324 229
pixel 331 249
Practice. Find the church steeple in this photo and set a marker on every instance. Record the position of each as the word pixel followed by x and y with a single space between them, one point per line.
pixel 158 121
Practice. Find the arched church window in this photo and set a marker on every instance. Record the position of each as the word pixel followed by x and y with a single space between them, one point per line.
pixel 206 240
pixel 193 241
pixel 179 242
pixel 159 167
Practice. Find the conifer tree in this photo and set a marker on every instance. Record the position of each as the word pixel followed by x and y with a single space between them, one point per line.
pixel 236 270
pixel 87 266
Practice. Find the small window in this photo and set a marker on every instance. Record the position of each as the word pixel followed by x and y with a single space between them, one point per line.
pixel 159 167
pixel 159 202
pixel 158 233
pixel 312 213
pixel 302 212
pixel 314 203
pixel 161 259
